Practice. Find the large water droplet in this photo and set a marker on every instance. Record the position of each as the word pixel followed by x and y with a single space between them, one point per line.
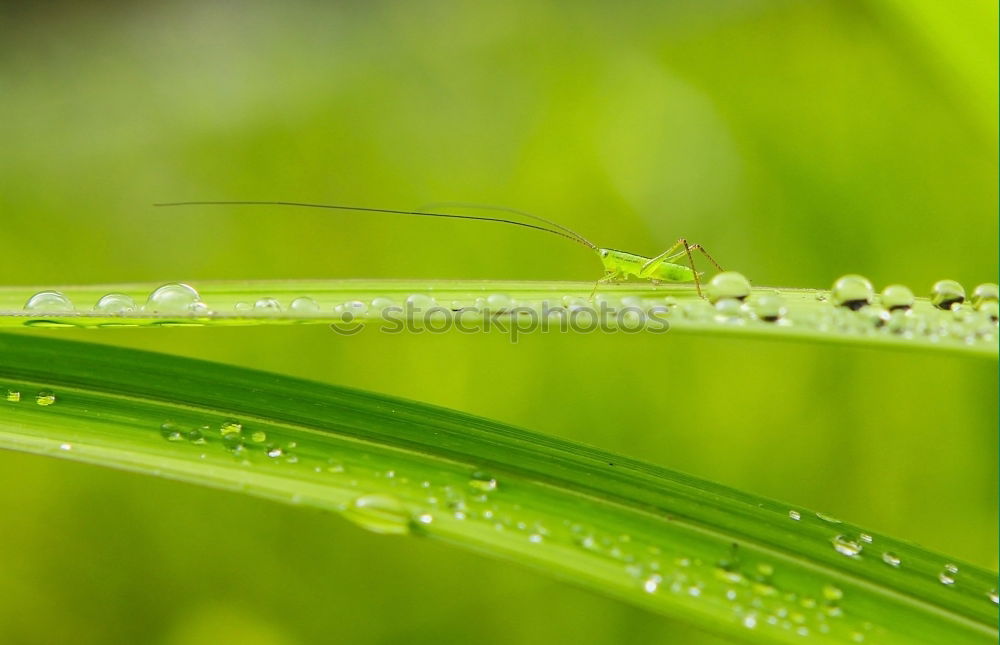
pixel 379 513
pixel 45 398
pixel 896 296
pixel 174 298
pixel 304 304
pixel 49 302
pixel 852 291
pixel 847 546
pixel 115 303
pixel 985 293
pixel 770 307
pixel 13 396
pixel 267 306
pixel 728 285
pixel 946 293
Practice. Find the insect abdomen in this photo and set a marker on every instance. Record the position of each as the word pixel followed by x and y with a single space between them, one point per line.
pixel 673 273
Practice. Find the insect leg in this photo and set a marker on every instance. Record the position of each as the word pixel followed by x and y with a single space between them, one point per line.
pixel 608 277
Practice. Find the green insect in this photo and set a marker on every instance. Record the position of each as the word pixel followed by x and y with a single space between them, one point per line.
pixel 618 265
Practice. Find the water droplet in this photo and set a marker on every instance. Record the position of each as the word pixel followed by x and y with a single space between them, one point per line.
pixel 419 302
pixel 115 303
pixel 864 537
pixel 795 515
pixel 267 306
pixel 828 518
pixel 652 583
pixel 991 309
pixel 174 298
pixel 483 481
pixel 230 427
pixel 274 451
pixel 304 305
pixel 727 285
pixel 243 306
pixel 379 513
pixel 993 596
pixel 258 436
pixel 896 296
pixel 847 546
pixel 45 398
pixel 832 593
pixel 49 302
pixel 498 301
pixel 946 578
pixel 13 396
pixel 750 621
pixel 380 304
pixel 171 432
pixel 197 435
pixel 946 293
pixel 987 292
pixel 891 559
pixel 770 307
pixel 729 310
pixel 852 291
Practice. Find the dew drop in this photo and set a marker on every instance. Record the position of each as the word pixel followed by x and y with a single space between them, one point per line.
pixel 770 307
pixel 728 285
pixel 174 298
pixel 946 293
pixel 258 436
pixel 304 305
pixel 795 515
pixel 946 578
pixel 231 427
pixel 993 596
pixel 828 518
pixel 243 306
pixel 379 513
pixel 897 297
pixel 891 559
pixel 45 397
pixel 419 302
pixel 13 396
pixel 852 291
pixel 49 302
pixel 267 306
pixel 847 546
pixel 115 303
pixel 274 451
pixel 197 435
pixel 991 309
pixel 652 583
pixel 832 593
pixel 983 293
pixel 483 481
pixel 171 432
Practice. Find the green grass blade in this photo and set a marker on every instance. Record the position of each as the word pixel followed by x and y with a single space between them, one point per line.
pixel 515 308
pixel 729 561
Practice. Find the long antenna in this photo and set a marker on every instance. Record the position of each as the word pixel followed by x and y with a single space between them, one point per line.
pixel 566 233
pixel 506 209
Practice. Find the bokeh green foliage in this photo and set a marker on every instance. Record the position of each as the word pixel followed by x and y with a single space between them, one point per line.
pixel 797 140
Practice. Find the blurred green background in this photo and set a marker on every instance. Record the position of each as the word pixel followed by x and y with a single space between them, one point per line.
pixel 797 140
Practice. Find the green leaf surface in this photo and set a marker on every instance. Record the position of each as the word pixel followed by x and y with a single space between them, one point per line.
pixel 788 314
pixel 728 561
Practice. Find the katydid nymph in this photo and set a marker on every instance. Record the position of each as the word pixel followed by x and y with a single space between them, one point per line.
pixel 618 265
